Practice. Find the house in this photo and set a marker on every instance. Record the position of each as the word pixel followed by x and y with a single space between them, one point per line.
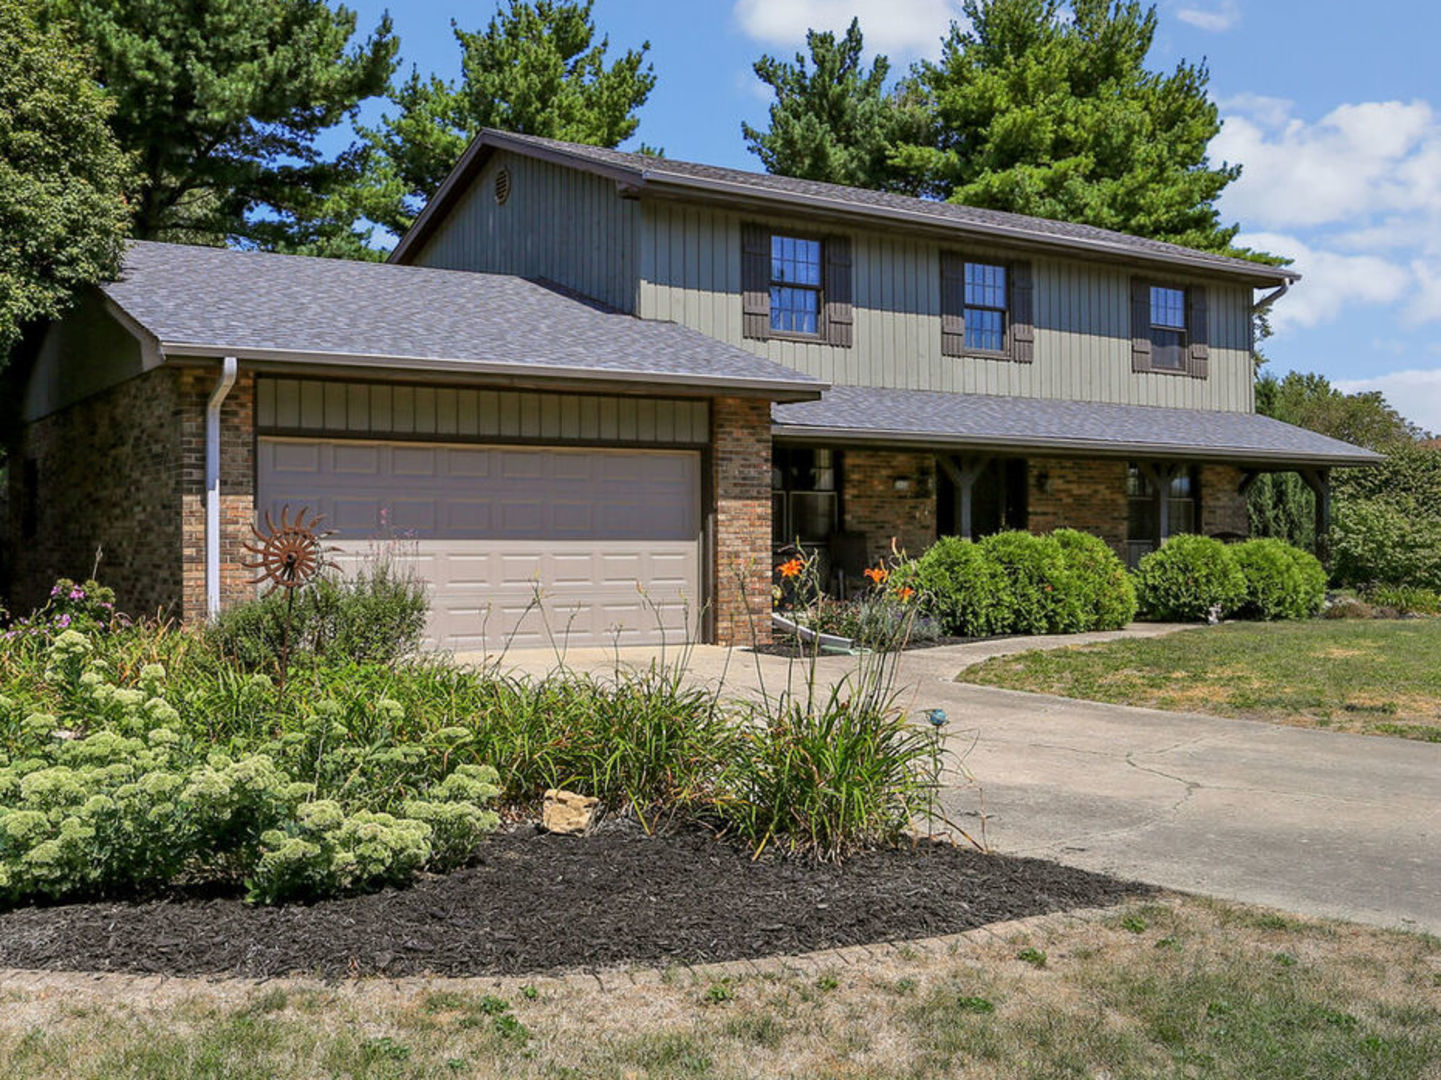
pixel 626 380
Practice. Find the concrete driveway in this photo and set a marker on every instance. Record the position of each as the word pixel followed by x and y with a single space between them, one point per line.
pixel 1310 821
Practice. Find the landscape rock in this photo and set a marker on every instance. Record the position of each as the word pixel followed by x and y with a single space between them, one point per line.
pixel 567 812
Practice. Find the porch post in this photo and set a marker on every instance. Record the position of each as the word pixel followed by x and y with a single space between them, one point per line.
pixel 1319 481
pixel 1160 477
pixel 963 472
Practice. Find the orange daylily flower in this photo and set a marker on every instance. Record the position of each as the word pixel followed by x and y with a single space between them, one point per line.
pixel 877 574
pixel 905 592
pixel 790 569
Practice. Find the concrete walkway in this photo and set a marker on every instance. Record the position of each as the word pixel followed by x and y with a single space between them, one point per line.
pixel 1316 822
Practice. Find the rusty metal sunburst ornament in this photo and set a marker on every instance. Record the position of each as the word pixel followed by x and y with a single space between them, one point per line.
pixel 289 555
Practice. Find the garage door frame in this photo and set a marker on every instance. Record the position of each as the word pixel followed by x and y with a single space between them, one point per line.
pixel 321 417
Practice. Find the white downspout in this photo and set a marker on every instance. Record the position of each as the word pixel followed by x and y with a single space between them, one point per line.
pixel 228 371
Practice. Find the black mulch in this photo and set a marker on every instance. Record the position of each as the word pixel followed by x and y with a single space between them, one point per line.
pixel 540 903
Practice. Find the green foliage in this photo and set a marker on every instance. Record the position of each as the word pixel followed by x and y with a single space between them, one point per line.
pixel 1038 597
pixel 1386 527
pixel 1310 401
pixel 375 615
pixel 221 102
pixel 1099 581
pixel 962 586
pixel 1405 599
pixel 1282 582
pixel 62 176
pixel 536 69
pixel 83 606
pixel 1190 579
pixel 832 120
pixel 1048 109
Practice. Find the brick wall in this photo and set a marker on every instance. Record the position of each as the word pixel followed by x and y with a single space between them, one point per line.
pixel 873 505
pixel 741 482
pixel 1223 507
pixel 108 480
pixel 1085 495
pixel 237 486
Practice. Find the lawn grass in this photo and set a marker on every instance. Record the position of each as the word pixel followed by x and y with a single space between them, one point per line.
pixel 1377 677
pixel 1182 987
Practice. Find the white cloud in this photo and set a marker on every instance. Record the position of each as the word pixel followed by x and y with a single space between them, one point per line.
pixel 1370 158
pixel 899 28
pixel 1331 281
pixel 1215 19
pixel 1416 394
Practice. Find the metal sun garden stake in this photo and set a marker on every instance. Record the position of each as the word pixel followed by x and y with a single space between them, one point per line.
pixel 287 556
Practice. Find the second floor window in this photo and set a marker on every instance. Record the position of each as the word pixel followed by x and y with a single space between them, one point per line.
pixel 1168 328
pixel 985 307
pixel 795 285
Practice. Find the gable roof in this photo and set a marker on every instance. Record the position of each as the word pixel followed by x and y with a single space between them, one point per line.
pixel 641 174
pixel 200 301
pixel 1039 425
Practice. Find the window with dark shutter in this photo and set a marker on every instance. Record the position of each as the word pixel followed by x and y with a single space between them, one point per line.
pixel 796 286
pixel 755 281
pixel 839 311
pixel 1169 329
pixel 987 309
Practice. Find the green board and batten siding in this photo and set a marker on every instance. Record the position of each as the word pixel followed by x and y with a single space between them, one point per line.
pixel 325 408
pixel 690 273
pixel 681 262
pixel 560 224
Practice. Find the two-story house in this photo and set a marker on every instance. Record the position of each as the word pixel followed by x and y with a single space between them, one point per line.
pixel 625 381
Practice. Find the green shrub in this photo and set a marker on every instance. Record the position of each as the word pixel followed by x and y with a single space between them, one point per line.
pixel 1282 582
pixel 962 586
pixel 1386 521
pixel 377 614
pixel 1040 596
pixel 1405 600
pixel 1103 587
pixel 1190 579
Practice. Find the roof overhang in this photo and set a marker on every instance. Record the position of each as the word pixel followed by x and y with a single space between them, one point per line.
pixel 493 373
pixel 1244 457
pixel 662 183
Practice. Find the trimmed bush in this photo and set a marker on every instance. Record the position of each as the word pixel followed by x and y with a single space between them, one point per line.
pixel 1190 579
pixel 962 586
pixel 1040 597
pixel 1282 582
pixel 1102 585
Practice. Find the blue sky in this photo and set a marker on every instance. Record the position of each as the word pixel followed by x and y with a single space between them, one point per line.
pixel 1334 110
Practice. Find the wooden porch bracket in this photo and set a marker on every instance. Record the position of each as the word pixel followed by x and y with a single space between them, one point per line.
pixel 1319 481
pixel 963 471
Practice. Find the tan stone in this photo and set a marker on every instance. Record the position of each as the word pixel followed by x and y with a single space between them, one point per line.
pixel 567 812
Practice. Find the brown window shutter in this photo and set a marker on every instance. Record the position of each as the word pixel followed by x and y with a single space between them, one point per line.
pixel 755 281
pixel 1023 317
pixel 1140 325
pixel 839 309
pixel 953 304
pixel 1198 333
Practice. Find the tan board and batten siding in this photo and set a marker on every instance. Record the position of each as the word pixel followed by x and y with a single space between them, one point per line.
pixel 561 224
pixel 690 273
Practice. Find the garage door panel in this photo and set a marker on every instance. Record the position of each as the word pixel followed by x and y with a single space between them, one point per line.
pixel 485 527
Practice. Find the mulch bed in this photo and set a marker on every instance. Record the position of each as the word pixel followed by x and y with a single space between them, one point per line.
pixel 541 903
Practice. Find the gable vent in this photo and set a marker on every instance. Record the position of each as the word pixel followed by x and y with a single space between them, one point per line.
pixel 502 186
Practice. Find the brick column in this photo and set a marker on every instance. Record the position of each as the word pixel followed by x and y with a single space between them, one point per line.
pixel 237 485
pixel 1223 508
pixel 741 483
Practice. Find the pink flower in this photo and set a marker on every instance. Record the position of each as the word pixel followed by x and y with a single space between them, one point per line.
pixel 63 621
pixel 77 593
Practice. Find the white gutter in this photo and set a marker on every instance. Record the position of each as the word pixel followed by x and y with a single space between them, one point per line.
pixel 229 368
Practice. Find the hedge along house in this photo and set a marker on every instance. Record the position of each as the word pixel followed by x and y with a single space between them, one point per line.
pixel 594 370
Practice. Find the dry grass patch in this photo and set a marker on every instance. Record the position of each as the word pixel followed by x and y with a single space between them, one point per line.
pixel 1178 988
pixel 1375 678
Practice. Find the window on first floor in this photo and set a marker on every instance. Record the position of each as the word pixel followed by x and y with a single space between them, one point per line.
pixel 805 493
pixel 1144 509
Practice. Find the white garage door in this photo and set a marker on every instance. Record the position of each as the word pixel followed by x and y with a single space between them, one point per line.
pixel 486 526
